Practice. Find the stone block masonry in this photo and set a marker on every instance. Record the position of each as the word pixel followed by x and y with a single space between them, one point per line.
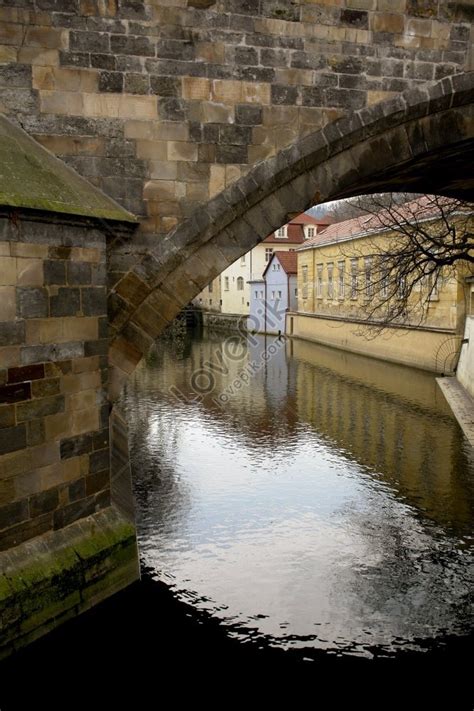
pixel 169 107
pixel 54 416
pixel 53 578
pixel 164 104
pixel 63 546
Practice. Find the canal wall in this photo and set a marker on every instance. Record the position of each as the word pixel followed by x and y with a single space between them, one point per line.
pixel 224 322
pixel 429 349
pixel 465 369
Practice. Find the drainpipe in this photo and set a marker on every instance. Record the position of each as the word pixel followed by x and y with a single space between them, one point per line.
pixel 265 321
pixel 288 299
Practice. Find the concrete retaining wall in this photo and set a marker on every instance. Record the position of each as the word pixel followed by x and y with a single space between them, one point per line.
pixel 465 369
pixel 421 348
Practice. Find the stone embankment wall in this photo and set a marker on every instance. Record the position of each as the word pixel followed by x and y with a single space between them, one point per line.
pixel 224 322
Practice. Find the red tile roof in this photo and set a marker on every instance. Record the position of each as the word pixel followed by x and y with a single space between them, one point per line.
pixel 288 261
pixel 422 208
pixel 295 233
pixel 305 219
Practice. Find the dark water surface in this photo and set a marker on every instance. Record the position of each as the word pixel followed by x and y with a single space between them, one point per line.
pixel 325 503
pixel 308 534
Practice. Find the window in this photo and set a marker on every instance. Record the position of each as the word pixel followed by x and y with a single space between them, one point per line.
pixel 319 281
pixel 226 283
pixel 354 279
pixel 432 287
pixel 210 287
pixel 310 232
pixel 279 294
pixel 402 286
pixel 281 233
pixel 273 295
pixel 268 253
pixel 384 284
pixel 341 286
pixel 242 259
pixel 296 292
pixel 354 284
pixel 210 302
pixel 330 281
pixel 240 284
pixel 369 287
pixel 304 276
pixel 256 294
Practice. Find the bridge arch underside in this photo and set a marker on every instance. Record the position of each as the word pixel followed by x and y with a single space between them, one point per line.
pixel 420 141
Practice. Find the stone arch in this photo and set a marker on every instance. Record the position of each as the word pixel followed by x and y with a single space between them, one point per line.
pixel 420 140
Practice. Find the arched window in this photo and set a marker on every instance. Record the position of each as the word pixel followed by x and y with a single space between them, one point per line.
pixel 240 284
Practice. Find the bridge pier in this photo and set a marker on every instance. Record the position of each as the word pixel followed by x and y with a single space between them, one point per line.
pixel 67 535
pixel 56 576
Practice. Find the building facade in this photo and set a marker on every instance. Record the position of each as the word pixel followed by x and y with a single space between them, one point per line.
pixel 210 298
pixel 272 296
pixel 337 292
pixel 235 280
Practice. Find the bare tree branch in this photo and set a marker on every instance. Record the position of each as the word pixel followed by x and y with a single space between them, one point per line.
pixel 412 246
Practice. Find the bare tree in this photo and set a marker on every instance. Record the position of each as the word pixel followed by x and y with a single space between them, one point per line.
pixel 413 246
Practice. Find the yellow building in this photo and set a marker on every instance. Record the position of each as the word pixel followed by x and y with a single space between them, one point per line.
pixel 339 283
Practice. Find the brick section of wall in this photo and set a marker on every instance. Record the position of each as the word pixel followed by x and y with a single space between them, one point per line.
pixel 54 435
pixel 164 104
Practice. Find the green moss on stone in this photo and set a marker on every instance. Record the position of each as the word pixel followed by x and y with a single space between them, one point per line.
pixel 69 571
pixel 32 177
pixel 104 539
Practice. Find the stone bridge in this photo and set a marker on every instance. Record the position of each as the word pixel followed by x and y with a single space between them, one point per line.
pixel 213 122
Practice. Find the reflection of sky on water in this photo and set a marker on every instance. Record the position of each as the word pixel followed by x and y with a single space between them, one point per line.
pixel 290 533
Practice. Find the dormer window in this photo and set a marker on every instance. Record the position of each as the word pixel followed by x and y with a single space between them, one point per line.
pixel 309 232
pixel 281 233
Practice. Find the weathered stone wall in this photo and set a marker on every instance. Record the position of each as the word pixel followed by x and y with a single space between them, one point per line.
pixel 224 322
pixel 163 104
pixel 54 416
pixel 56 576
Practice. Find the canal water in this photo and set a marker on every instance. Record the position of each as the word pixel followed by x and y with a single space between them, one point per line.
pixel 305 521
pixel 306 498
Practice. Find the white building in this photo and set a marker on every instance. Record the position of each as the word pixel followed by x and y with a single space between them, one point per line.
pixel 234 281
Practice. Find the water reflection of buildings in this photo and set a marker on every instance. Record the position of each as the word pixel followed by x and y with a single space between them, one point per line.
pixel 392 420
pixel 389 419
